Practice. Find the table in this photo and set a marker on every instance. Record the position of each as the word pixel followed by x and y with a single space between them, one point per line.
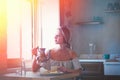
pixel 36 76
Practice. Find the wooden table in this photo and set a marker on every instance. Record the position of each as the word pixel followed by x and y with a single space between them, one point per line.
pixel 37 76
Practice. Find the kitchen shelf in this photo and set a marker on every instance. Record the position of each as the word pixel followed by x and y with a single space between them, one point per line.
pixel 112 11
pixel 88 23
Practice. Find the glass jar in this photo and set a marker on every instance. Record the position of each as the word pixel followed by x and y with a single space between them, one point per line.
pixel 116 6
pixel 110 6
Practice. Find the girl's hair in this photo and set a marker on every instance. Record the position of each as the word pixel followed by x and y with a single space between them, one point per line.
pixel 66 35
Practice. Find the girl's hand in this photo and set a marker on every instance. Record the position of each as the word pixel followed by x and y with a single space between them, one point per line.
pixel 63 69
pixel 42 58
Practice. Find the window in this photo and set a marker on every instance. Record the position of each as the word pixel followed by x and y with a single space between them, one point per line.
pixel 48 22
pixel 19 29
pixel 22 35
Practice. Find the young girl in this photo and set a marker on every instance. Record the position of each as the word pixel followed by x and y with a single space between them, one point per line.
pixel 61 56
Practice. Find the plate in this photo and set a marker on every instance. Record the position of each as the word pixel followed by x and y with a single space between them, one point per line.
pixel 51 74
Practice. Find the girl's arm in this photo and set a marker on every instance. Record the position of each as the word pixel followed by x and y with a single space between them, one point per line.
pixel 35 66
pixel 41 61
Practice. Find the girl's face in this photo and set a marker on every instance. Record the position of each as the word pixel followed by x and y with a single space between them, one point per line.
pixel 59 38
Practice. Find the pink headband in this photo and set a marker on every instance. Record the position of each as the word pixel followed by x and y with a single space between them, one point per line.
pixel 66 34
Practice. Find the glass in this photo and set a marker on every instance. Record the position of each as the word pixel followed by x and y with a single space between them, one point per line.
pixel 92 49
pixel 110 6
pixel 54 68
pixel 23 68
pixel 18 72
pixel 116 6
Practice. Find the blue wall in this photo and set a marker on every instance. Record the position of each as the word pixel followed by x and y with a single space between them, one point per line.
pixel 106 36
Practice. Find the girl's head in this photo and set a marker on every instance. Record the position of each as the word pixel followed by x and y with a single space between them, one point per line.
pixel 63 36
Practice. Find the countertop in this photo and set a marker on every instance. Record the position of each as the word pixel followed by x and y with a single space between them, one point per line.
pixel 101 60
pixel 111 66
pixel 92 60
pixel 112 63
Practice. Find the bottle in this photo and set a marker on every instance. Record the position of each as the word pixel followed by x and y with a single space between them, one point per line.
pixel 23 72
pixel 116 6
pixel 110 6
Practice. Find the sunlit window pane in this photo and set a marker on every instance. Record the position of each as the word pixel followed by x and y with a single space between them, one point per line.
pixel 49 16
pixel 19 30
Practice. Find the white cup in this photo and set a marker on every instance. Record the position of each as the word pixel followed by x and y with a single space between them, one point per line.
pixel 54 68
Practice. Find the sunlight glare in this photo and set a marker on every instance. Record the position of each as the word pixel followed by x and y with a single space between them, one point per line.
pixel 2 16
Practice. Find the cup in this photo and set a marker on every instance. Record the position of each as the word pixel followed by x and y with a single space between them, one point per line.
pixel 42 50
pixel 42 54
pixel 54 68
pixel 106 56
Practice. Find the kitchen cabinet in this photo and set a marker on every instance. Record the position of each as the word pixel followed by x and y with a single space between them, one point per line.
pixel 113 7
pixel 112 70
pixel 111 77
pixel 93 69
